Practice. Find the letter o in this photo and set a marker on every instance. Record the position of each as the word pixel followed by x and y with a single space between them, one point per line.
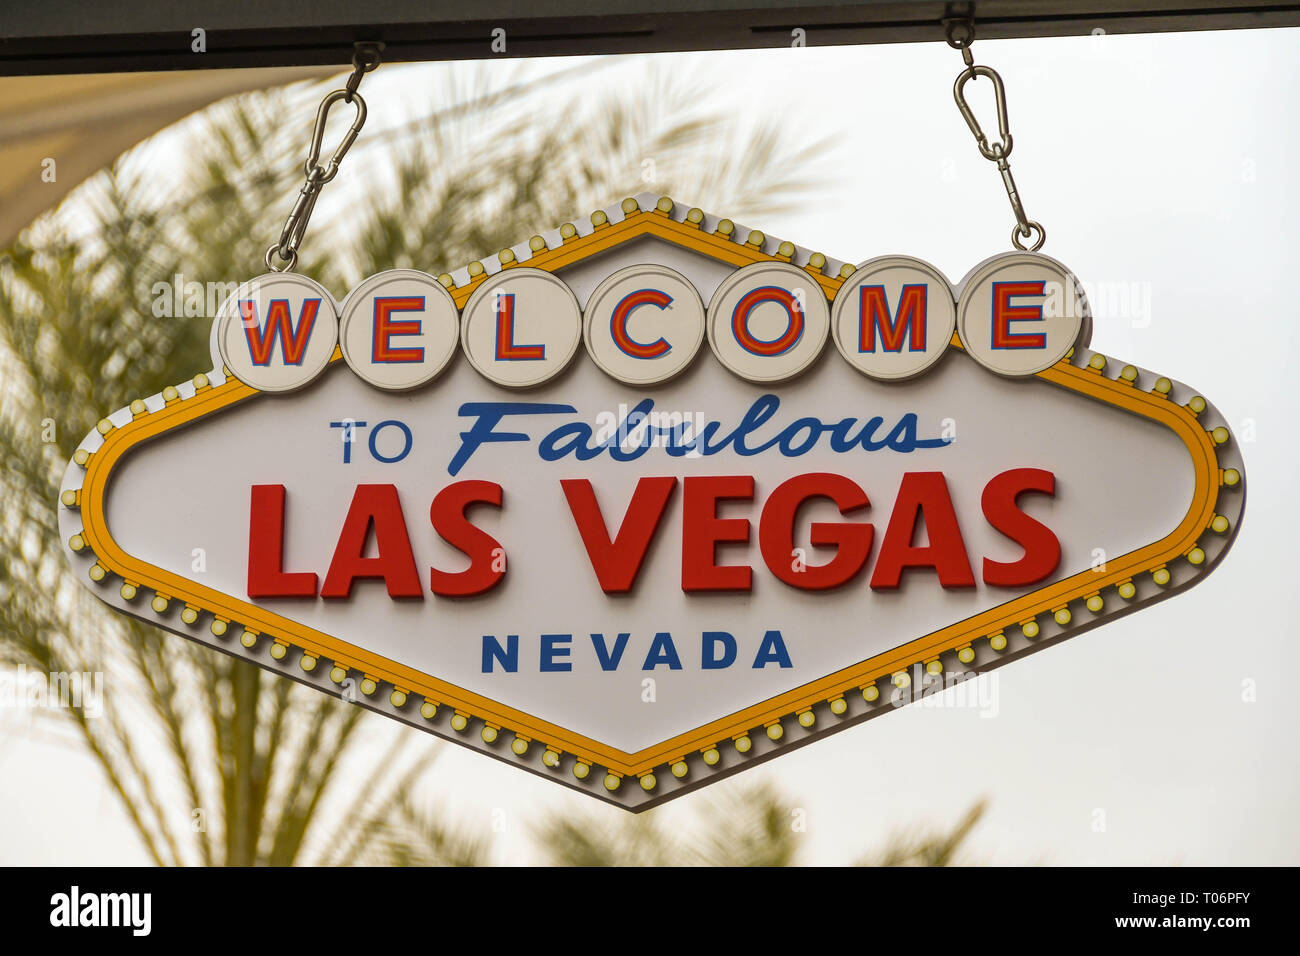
pixel 768 322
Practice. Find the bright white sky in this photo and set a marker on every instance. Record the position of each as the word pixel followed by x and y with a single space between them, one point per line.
pixel 1164 161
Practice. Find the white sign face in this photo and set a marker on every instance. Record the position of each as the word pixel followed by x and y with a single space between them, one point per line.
pixel 398 330
pixel 521 328
pixel 1020 314
pixel 768 322
pixel 894 318
pixel 644 324
pixel 605 580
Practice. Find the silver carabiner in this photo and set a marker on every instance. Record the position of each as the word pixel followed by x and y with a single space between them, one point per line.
pixel 318 135
pixel 999 151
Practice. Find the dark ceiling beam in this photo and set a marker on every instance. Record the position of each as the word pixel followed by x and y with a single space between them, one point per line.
pixel 72 36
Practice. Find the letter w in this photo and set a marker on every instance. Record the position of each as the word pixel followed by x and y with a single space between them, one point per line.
pixel 261 339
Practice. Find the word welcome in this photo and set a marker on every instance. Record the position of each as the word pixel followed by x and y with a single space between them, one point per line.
pixel 893 318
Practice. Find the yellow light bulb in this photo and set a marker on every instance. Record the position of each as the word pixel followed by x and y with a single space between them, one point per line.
pixel 680 769
pixel 743 743
pixel 581 769
pixel 307 662
pixel 648 782
pixel 397 698
pixel 278 651
pixel 337 674
pixel 428 710
pixel 966 655
pixel 519 745
pixel 612 781
pixel 712 756
pixel 775 732
pixel 998 642
pixel 839 705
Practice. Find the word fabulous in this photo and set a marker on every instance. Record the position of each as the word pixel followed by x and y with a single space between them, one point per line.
pixel 893 318
pixel 922 535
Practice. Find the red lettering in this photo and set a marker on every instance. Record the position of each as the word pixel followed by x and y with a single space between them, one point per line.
pixel 486 556
pixel 1042 549
pixel 293 342
pixel 874 314
pixel 385 327
pixel 923 496
pixel 851 540
pixel 266 575
pixel 1004 313
pixel 507 350
pixel 703 531
pixel 374 506
pixel 617 562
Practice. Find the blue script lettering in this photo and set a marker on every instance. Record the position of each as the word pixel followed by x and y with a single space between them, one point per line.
pixel 637 433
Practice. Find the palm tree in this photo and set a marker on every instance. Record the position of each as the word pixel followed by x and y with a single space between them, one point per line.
pixel 256 769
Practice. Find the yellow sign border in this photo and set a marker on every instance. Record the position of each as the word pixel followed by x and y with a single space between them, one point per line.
pixel 720 245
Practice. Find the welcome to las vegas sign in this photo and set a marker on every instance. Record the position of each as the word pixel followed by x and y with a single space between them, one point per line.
pixel 652 499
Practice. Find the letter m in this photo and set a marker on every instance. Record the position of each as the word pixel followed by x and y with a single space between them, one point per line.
pixel 908 322
pixel 262 338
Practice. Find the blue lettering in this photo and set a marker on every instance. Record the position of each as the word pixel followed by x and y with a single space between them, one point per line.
pixel 507 656
pixel 772 651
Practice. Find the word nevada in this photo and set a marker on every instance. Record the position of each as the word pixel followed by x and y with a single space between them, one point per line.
pixel 891 319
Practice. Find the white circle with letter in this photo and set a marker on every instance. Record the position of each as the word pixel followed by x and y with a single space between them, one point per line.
pixel 768 321
pixel 1020 313
pixel 894 317
pixel 399 329
pixel 277 332
pixel 644 324
pixel 521 327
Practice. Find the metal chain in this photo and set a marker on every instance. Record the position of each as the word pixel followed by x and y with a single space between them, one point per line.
pixel 364 60
pixel 960 34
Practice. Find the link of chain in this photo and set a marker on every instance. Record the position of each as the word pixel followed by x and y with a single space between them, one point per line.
pixel 960 34
pixel 364 60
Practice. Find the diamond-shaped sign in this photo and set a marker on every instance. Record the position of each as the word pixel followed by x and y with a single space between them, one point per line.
pixel 649 501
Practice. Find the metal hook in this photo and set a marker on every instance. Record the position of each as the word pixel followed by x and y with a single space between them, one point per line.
pixel 318 135
pixel 1001 150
